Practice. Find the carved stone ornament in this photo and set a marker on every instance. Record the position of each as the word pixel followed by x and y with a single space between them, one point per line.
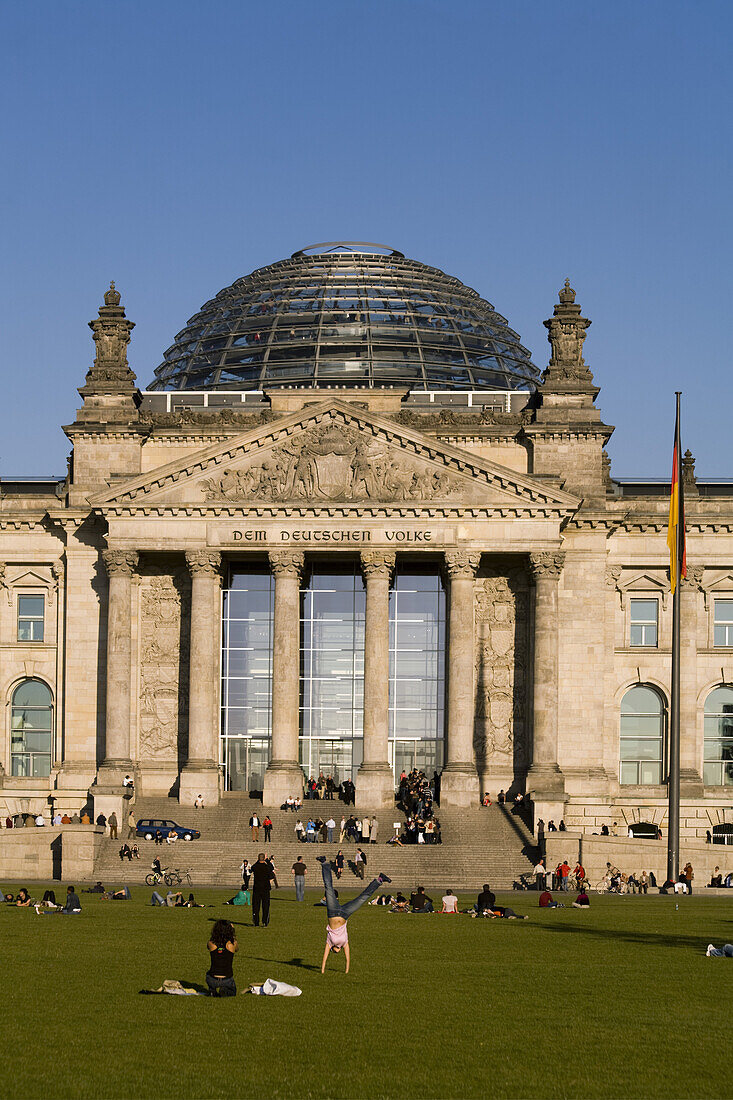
pixel 120 563
pixel 287 563
pixel 502 616
pixel 164 640
pixel 694 577
pixel 337 463
pixel 461 564
pixel 205 563
pixel 547 564
pixel 377 563
pixel 566 334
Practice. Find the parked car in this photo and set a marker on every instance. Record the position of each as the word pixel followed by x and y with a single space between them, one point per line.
pixel 150 827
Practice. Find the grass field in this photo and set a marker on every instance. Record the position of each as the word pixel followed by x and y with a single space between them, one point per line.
pixel 616 1002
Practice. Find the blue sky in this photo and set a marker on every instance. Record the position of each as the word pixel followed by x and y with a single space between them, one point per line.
pixel 174 147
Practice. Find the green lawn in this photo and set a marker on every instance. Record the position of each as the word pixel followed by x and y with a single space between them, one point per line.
pixel 618 1001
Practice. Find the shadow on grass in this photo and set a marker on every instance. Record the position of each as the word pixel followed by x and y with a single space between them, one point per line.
pixel 297 962
pixel 650 939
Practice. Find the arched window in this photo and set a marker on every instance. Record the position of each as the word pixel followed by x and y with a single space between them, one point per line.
pixel 641 736
pixel 31 729
pixel 718 755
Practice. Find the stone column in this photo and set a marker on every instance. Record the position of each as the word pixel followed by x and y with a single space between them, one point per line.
pixel 375 780
pixel 200 775
pixel 691 723
pixel 545 781
pixel 120 565
pixel 284 776
pixel 459 784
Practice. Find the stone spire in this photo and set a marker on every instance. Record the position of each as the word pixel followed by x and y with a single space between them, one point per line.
pixel 109 390
pixel 566 332
pixel 689 478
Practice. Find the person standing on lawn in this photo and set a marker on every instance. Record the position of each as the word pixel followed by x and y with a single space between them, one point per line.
pixel 299 873
pixel 262 876
pixel 337 936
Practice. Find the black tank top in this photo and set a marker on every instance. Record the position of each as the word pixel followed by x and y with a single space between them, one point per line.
pixel 221 963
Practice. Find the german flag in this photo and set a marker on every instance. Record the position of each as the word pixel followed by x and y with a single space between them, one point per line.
pixel 676 529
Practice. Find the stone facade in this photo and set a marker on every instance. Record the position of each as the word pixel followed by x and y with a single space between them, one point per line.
pixel 542 554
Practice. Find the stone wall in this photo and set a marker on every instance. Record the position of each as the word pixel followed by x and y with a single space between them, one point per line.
pixel 636 856
pixel 67 852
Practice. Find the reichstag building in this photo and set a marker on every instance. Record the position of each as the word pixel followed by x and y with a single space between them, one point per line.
pixel 350 527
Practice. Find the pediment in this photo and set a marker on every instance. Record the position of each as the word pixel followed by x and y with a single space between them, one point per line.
pixel 333 454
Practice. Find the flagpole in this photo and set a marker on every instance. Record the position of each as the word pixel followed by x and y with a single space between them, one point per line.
pixel 673 834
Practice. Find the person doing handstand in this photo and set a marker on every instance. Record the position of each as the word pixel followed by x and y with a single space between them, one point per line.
pixel 337 937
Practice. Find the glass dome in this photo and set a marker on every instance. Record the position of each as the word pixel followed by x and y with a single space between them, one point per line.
pixel 347 315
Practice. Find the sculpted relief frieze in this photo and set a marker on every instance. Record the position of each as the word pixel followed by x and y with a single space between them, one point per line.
pixel 501 607
pixel 337 463
pixel 164 632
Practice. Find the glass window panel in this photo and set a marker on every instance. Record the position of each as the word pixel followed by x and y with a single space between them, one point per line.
pixel 724 611
pixel 712 774
pixel 641 700
pixel 629 773
pixel 32 693
pixel 640 725
pixel 31 607
pixel 636 748
pixel 643 611
pixel 719 701
pixel 650 773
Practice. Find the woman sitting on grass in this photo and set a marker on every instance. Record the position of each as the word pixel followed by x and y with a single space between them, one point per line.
pixel 337 937
pixel 222 946
pixel 23 899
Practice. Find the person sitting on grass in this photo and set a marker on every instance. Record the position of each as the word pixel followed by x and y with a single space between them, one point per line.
pixel 72 903
pixel 222 947
pixel 485 901
pixel 547 901
pixel 450 902
pixel 240 898
pixel 420 902
pixel 582 901
pixel 23 899
pixel 337 936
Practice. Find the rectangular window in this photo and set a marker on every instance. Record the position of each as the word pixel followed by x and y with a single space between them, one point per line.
pixel 30 618
pixel 644 616
pixel 724 623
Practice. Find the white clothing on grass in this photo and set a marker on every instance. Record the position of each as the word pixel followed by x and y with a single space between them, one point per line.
pixel 271 988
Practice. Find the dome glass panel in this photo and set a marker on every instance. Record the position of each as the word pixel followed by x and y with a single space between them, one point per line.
pixel 347 315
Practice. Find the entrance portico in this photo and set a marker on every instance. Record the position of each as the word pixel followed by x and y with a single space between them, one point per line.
pixel 414 506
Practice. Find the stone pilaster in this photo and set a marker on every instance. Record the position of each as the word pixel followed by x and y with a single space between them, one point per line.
pixel 200 775
pixel 375 781
pixel 691 726
pixel 120 566
pixel 545 781
pixel 459 784
pixel 284 776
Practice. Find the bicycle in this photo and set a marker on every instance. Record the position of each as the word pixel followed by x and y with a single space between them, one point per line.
pixel 176 876
pixel 156 877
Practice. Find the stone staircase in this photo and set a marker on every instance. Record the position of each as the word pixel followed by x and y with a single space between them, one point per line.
pixel 480 844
